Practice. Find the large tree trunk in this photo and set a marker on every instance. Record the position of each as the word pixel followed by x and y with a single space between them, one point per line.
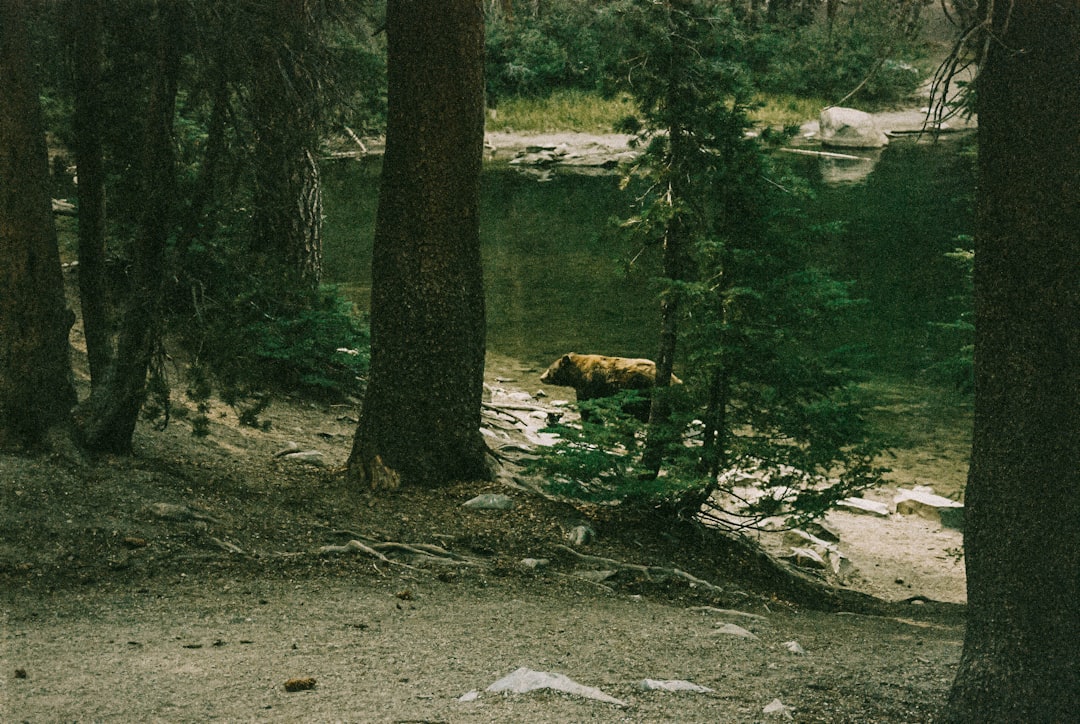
pixel 1022 533
pixel 36 390
pixel 421 414
pixel 288 192
pixel 89 58
pixel 107 419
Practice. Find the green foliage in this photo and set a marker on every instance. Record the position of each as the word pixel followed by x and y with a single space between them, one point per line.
pixel 958 368
pixel 537 48
pixel 763 399
pixel 258 341
pixel 871 43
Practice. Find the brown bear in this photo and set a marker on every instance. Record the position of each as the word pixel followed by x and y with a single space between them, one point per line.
pixel 594 375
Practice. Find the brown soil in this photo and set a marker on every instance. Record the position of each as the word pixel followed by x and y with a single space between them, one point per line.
pixel 119 609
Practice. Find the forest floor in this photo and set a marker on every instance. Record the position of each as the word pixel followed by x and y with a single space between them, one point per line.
pixel 189 583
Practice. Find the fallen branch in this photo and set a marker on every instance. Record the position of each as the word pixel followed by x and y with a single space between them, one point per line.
pixel 425 551
pixel 356 140
pixel 825 154
pixel 355 546
pixel 649 571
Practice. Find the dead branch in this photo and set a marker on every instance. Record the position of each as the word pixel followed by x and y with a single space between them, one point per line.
pixel 648 571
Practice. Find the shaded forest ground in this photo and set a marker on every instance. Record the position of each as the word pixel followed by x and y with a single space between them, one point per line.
pixel 187 584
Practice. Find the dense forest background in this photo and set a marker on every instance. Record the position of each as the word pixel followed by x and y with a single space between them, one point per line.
pixel 218 216
pixel 195 131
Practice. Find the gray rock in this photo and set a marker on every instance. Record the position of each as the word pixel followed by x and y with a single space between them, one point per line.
pixel 923 502
pixel 795 648
pixel 864 506
pixel 524 680
pixel 581 535
pixel 820 531
pixel 307 457
pixel 730 629
pixel 805 557
pixel 850 128
pixel 534 563
pixel 779 709
pixel 490 501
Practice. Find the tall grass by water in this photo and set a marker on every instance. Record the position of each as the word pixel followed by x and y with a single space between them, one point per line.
pixel 590 112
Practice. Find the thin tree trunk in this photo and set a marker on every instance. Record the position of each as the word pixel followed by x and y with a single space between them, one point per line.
pixel 661 434
pixel 1022 506
pixel 421 414
pixel 89 58
pixel 288 191
pixel 107 419
pixel 36 390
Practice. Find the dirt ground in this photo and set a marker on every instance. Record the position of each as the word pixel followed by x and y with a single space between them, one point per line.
pixel 187 584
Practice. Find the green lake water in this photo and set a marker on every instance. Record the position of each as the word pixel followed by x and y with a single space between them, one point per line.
pixel 557 278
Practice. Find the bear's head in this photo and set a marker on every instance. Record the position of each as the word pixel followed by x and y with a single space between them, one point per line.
pixel 563 372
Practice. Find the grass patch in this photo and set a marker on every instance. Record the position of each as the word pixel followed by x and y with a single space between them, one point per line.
pixel 563 110
pixel 783 109
pixel 587 112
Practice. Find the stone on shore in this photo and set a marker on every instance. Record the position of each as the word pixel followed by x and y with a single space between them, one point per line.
pixel 850 128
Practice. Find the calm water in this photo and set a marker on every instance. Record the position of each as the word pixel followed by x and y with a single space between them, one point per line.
pixel 557 279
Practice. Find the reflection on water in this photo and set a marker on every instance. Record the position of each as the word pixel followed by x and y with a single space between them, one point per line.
pixel 555 270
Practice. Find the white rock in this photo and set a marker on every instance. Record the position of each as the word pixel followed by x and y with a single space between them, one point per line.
pixel 731 629
pixel 581 535
pixel 307 457
pixel 524 680
pixel 795 648
pixel 672 685
pixel 850 128
pixel 779 709
pixel 469 696
pixel 926 504
pixel 489 501
pixel 804 557
pixel 534 563
pixel 862 505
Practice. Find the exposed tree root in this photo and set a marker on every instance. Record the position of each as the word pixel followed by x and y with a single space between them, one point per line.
pixel 652 572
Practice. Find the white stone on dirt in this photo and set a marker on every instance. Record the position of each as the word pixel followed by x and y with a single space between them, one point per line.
pixel 672 685
pixel 534 563
pixel 730 629
pixel 778 709
pixel 489 501
pixel 864 506
pixel 581 535
pixel 795 648
pixel 805 557
pixel 469 696
pixel 923 502
pixel 306 457
pixel 524 680
pixel 809 551
pixel 850 128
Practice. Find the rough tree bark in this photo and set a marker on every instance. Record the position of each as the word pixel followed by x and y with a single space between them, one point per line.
pixel 107 418
pixel 286 104
pixel 36 390
pixel 421 413
pixel 88 61
pixel 1022 532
